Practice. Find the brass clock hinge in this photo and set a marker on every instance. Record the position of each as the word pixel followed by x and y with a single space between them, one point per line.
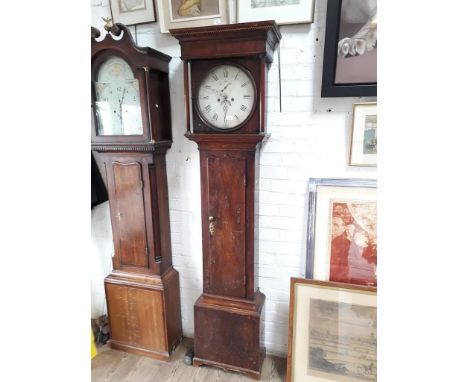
pixel 141 183
pixel 146 251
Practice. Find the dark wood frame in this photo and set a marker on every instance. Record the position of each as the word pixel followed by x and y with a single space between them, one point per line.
pixel 313 184
pixel 329 87
pixel 292 292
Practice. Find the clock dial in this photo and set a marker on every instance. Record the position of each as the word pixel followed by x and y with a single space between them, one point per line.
pixel 118 110
pixel 226 97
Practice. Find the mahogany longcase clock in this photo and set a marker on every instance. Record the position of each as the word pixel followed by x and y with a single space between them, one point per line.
pixel 131 132
pixel 225 71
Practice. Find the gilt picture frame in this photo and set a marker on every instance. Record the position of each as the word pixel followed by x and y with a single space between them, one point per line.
pixel 133 12
pixel 332 332
pixel 282 11
pixel 176 14
pixel 363 147
pixel 342 231
pixel 350 52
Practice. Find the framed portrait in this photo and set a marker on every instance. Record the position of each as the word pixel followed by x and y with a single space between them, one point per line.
pixel 342 231
pixel 282 11
pixel 350 53
pixel 332 332
pixel 133 12
pixel 175 14
pixel 363 150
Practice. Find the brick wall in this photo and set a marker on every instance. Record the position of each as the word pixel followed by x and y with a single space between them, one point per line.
pixel 309 138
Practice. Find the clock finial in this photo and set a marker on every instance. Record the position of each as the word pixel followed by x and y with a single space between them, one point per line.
pixel 110 27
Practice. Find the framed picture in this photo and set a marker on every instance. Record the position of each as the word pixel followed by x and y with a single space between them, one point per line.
pixel 350 54
pixel 175 14
pixel 363 150
pixel 342 231
pixel 332 332
pixel 133 12
pixel 282 11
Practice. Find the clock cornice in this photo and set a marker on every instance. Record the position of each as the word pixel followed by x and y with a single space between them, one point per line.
pixel 217 41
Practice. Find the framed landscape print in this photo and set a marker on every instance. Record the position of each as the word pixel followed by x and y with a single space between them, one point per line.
pixel 332 332
pixel 132 12
pixel 350 53
pixel 363 150
pixel 342 231
pixel 175 14
pixel 282 11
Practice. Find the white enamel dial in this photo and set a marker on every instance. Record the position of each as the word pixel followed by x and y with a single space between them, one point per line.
pixel 226 97
pixel 118 110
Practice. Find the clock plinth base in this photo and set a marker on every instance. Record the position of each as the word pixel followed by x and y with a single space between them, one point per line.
pixel 144 313
pixel 227 333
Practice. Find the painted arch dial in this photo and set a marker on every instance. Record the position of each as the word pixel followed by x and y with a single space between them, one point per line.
pixel 226 97
pixel 118 109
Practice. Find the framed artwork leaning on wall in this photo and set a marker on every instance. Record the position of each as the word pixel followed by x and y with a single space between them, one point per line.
pixel 332 332
pixel 342 231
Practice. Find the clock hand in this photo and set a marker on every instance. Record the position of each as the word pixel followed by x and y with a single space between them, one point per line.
pixel 226 87
pixel 120 105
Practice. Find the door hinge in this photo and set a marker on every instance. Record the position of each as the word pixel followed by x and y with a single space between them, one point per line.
pixel 146 251
pixel 141 183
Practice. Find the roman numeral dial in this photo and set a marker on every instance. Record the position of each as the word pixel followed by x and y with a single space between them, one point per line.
pixel 226 97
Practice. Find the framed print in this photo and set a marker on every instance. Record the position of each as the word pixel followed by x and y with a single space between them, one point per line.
pixel 342 231
pixel 282 11
pixel 175 14
pixel 350 53
pixel 133 12
pixel 363 150
pixel 332 332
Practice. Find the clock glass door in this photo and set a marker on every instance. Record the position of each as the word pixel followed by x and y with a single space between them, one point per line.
pixel 117 99
pixel 226 226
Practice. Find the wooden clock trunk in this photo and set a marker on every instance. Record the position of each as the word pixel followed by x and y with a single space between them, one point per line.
pixel 142 292
pixel 228 327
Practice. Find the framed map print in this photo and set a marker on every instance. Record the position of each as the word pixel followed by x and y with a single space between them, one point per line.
pixel 133 12
pixel 342 231
pixel 332 332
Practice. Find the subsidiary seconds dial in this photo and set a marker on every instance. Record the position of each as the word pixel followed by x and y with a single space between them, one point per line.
pixel 226 97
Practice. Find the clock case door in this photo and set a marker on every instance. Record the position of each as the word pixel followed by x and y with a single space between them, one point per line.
pixel 138 197
pixel 151 69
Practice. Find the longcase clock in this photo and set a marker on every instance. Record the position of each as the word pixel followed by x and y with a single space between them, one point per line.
pixel 131 132
pixel 225 70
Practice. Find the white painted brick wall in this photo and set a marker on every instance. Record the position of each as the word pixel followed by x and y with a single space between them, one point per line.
pixel 309 138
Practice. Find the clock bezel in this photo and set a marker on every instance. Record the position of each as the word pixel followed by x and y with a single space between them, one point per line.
pixel 140 76
pixel 198 69
pixel 254 104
